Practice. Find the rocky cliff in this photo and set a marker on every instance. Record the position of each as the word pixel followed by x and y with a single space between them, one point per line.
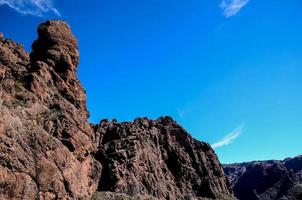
pixel 48 149
pixel 267 180
pixel 159 158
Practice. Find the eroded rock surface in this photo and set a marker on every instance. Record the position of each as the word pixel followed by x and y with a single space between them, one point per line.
pixel 45 137
pixel 267 180
pixel 48 149
pixel 159 158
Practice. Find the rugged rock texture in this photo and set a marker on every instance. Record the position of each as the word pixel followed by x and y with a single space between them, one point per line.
pixel 159 158
pixel 48 150
pixel 45 137
pixel 119 196
pixel 267 180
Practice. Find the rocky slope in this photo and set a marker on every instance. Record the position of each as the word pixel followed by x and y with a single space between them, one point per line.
pixel 48 149
pixel 267 180
pixel 159 158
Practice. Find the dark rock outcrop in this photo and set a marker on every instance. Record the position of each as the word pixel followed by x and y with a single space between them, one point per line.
pixel 157 158
pixel 267 180
pixel 48 149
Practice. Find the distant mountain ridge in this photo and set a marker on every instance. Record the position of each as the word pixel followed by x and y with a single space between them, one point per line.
pixel 266 180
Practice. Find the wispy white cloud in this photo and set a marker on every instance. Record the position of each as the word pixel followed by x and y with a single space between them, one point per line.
pixel 232 7
pixel 32 7
pixel 229 138
pixel 180 113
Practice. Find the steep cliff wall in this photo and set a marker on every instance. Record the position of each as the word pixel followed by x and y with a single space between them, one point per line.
pixel 159 158
pixel 48 149
pixel 45 137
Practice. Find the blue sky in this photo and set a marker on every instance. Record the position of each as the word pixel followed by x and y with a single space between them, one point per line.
pixel 228 71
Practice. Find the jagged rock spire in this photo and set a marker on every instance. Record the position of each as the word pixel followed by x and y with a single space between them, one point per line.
pixel 54 58
pixel 56 46
pixel 49 150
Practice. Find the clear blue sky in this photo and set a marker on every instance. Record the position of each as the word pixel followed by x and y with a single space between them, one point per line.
pixel 210 65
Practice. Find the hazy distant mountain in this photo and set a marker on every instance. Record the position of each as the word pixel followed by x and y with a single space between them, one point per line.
pixel 267 180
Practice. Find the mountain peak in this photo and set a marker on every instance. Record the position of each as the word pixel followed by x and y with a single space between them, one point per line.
pixel 49 150
pixel 56 45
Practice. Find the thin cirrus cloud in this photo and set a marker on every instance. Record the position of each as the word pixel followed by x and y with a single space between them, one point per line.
pixel 32 7
pixel 229 138
pixel 232 7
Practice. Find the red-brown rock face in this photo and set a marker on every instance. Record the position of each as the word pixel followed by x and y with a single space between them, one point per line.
pixel 48 150
pixel 157 158
pixel 45 137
